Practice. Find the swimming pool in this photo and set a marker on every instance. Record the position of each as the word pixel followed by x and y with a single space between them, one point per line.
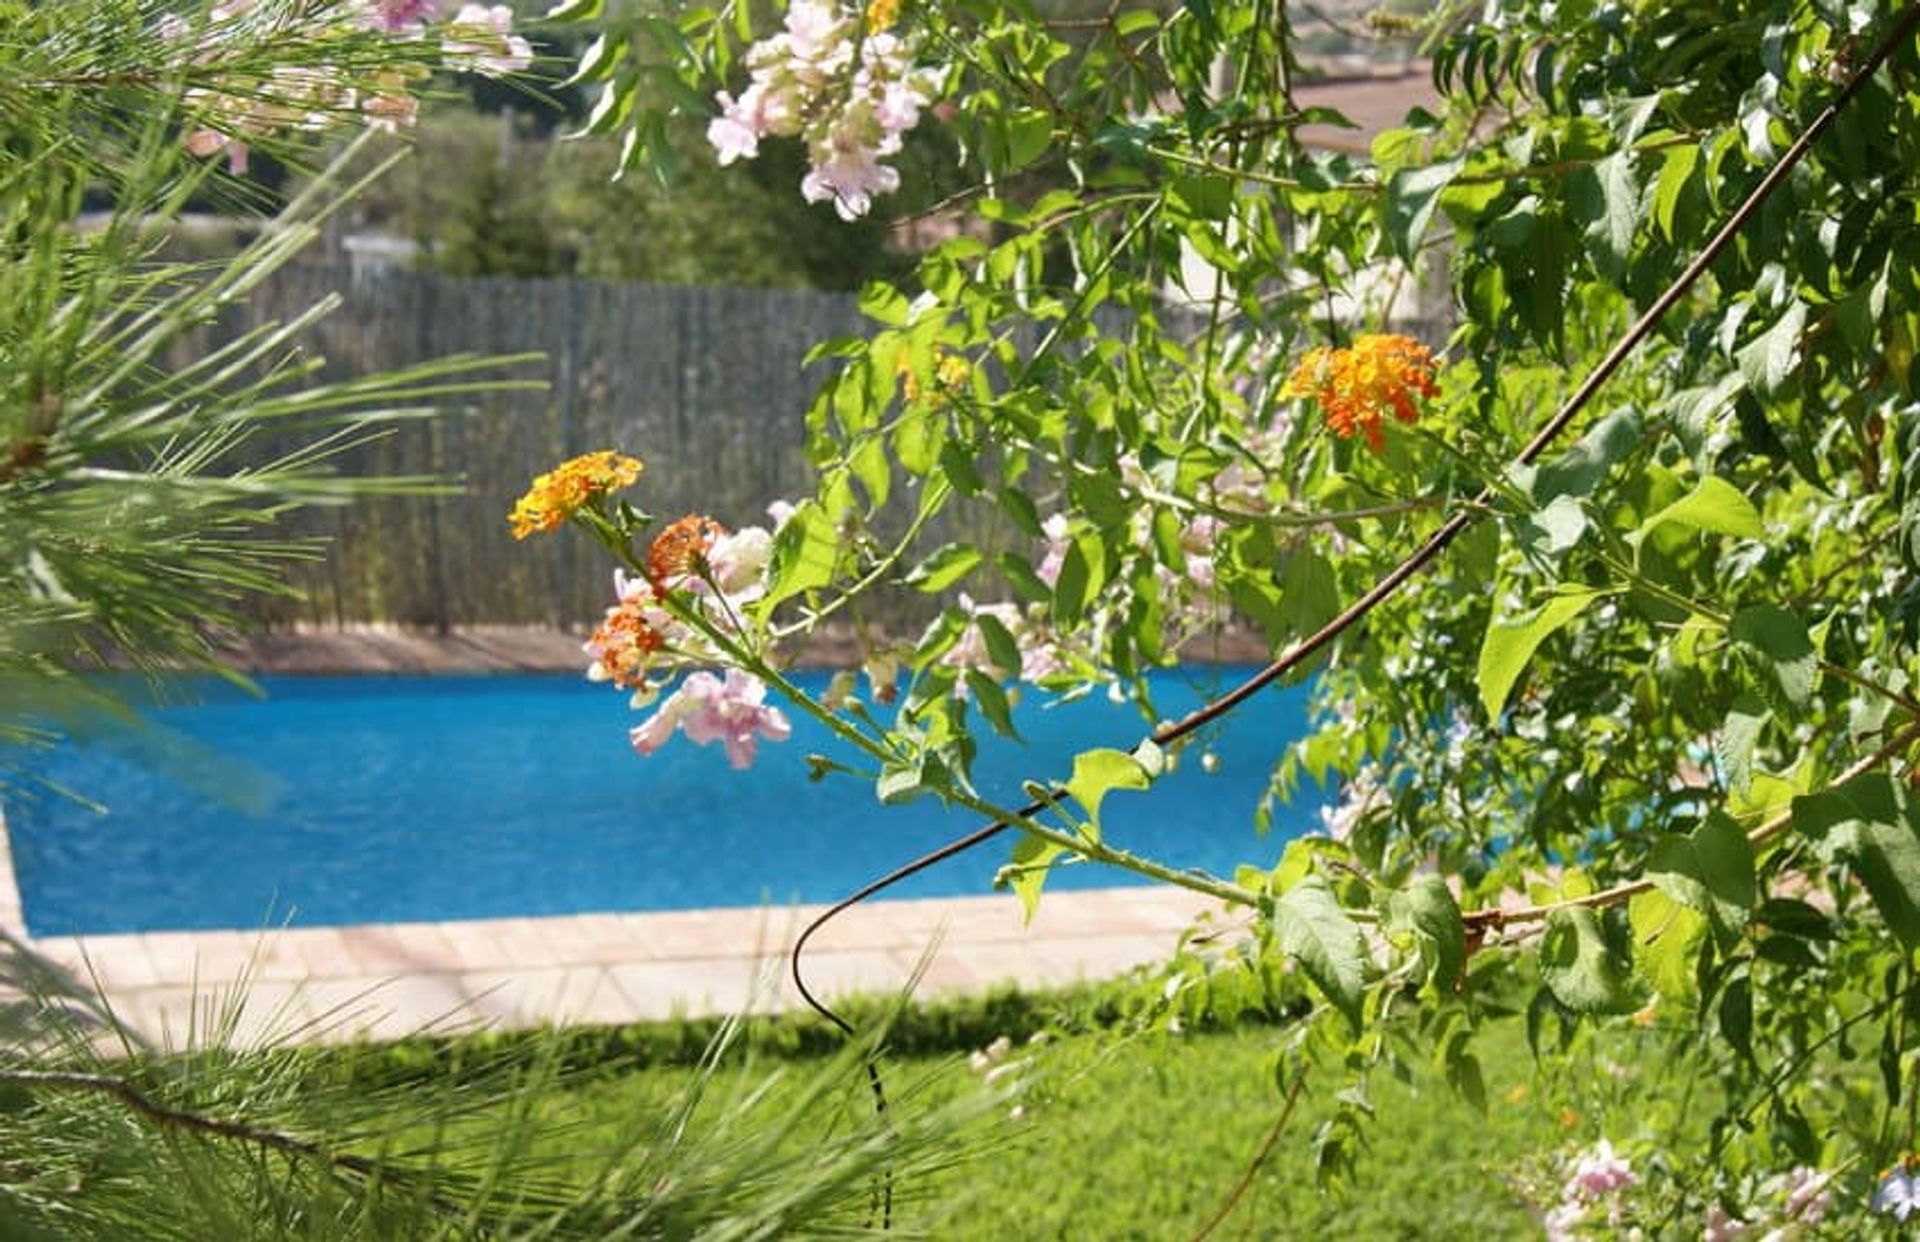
pixel 395 799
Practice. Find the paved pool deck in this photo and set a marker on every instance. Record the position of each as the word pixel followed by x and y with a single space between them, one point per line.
pixel 387 980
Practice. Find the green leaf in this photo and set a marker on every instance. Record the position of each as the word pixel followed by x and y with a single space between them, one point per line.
pixel 1020 575
pixel 899 782
pixel 1033 858
pixel 1412 194
pixel 1083 571
pixel 1735 743
pixel 1710 869
pixel 1868 824
pixel 1579 470
pixel 1309 593
pixel 992 701
pixel 1317 933
pixel 1510 644
pixel 573 11
pixel 885 304
pixel 1208 197
pixel 944 567
pixel 1096 773
pixel 1675 172
pixel 1029 133
pixel 1557 526
pixel 1666 943
pixel 1427 909
pixel 1001 647
pixel 1713 505
pixel 1582 969
pixel 600 58
pixel 1620 215
pixel 1779 639
pixel 1768 359
pixel 803 557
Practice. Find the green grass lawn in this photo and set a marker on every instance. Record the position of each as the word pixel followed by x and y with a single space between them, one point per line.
pixel 1114 1135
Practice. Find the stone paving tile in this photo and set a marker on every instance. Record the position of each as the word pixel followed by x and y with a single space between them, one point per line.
pixel 972 967
pixel 118 962
pixel 531 998
pixel 381 949
pixel 185 956
pixel 390 980
pixel 593 938
pixel 682 935
pixel 832 974
pixel 664 989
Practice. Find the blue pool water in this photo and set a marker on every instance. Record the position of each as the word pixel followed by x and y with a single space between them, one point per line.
pixel 354 800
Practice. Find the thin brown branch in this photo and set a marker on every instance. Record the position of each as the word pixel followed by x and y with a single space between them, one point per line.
pixel 1252 1170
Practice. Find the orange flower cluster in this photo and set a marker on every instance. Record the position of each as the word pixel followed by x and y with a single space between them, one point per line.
pixel 567 488
pixel 680 550
pixel 1357 386
pixel 623 645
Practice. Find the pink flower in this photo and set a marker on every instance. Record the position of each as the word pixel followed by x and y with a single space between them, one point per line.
pixel 899 107
pixel 849 180
pixel 735 133
pixel 1561 1223
pixel 481 40
pixel 1721 1227
pixel 1599 1173
pixel 1808 1194
pixel 732 712
pixel 391 113
pixel 1055 529
pixel 737 562
pixel 398 15
pixel 812 28
pixel 203 142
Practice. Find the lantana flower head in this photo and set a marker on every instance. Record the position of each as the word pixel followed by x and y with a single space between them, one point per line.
pixel 680 551
pixel 1358 386
pixel 569 487
pixel 629 642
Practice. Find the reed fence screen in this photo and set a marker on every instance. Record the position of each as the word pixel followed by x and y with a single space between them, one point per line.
pixel 705 384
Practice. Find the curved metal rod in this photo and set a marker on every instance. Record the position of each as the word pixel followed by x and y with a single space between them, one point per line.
pixel 1436 543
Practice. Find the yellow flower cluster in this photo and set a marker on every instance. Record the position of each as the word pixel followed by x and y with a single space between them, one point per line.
pixel 567 488
pixel 949 374
pixel 1357 386
pixel 881 15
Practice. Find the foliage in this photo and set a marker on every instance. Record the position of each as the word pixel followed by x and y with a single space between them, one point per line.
pixel 139 483
pixel 492 194
pixel 1076 1160
pixel 273 1141
pixel 1629 726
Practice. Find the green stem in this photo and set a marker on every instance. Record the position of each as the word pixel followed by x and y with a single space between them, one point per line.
pixel 1093 850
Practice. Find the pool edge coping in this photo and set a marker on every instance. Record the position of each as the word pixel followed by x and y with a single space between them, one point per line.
pixel 279 985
